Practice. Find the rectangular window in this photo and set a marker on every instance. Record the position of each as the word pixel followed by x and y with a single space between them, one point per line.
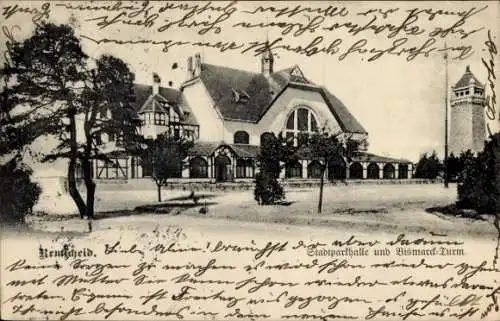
pixel 98 139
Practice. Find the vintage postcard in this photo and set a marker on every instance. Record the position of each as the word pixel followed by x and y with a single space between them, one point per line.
pixel 279 160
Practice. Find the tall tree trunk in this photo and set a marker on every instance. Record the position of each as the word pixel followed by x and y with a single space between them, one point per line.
pixel 72 188
pixel 158 187
pixel 90 186
pixel 321 184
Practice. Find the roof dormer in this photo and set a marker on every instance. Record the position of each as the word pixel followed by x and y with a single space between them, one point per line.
pixel 240 96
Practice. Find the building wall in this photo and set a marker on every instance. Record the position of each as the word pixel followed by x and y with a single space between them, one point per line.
pixel 478 128
pixel 275 118
pixel 211 125
pixel 152 131
pixel 460 128
pixel 467 124
pixel 252 129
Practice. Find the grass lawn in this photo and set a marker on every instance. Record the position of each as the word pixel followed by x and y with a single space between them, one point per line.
pixel 361 208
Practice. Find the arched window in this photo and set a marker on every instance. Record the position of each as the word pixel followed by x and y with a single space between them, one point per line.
pixel 403 171
pixel 389 171
pixel 301 121
pixel 266 137
pixel 356 171
pixel 294 170
pixel 198 168
pixel 241 137
pixel 314 170
pixel 373 171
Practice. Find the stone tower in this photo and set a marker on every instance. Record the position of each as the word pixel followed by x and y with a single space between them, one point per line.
pixel 467 122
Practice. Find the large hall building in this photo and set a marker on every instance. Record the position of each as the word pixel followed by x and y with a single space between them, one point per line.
pixel 227 111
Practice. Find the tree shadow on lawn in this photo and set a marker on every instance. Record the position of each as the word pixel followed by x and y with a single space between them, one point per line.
pixel 452 210
pixel 174 208
pixel 280 203
pixel 190 197
pixel 355 211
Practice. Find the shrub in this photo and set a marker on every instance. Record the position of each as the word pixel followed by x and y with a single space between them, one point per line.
pixel 267 189
pixel 478 182
pixel 18 194
pixel 428 167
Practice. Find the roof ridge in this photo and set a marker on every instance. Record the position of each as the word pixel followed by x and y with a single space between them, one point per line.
pixel 161 87
pixel 233 69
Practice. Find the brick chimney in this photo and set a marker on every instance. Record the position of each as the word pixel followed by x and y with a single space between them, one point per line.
pixel 156 84
pixel 189 67
pixel 197 64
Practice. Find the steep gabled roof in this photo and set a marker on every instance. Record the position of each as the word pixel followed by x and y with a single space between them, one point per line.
pixel 346 120
pixel 145 101
pixel 221 82
pixel 154 104
pixel 467 78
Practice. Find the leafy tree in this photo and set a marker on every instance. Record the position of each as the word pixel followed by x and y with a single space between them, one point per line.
pixel 276 152
pixel 167 155
pixel 479 181
pixel 54 86
pixel 18 194
pixel 325 148
pixel 454 167
pixel 428 167
pixel 267 189
pixel 108 90
pixel 48 67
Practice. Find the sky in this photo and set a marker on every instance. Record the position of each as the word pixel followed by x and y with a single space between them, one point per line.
pixel 400 103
